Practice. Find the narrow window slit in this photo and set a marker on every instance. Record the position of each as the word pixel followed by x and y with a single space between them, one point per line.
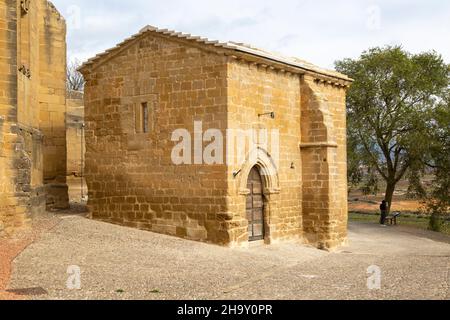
pixel 145 124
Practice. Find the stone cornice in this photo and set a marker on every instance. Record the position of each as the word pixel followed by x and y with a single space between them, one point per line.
pixel 261 62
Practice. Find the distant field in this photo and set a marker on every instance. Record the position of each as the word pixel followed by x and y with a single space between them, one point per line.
pixel 409 220
pixel 371 204
pixel 358 202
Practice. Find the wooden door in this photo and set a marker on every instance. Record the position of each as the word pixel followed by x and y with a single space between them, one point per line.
pixel 255 206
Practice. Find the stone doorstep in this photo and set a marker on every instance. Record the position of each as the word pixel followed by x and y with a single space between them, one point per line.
pixel 255 244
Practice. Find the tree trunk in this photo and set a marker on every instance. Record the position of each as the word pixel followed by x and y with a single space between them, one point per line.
pixel 390 189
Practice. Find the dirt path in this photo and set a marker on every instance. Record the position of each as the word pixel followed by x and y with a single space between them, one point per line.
pixel 9 249
pixel 12 247
pixel 123 263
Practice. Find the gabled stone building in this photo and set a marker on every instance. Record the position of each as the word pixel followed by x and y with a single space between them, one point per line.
pixel 160 88
pixel 32 107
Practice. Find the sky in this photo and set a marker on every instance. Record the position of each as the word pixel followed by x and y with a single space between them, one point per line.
pixel 320 31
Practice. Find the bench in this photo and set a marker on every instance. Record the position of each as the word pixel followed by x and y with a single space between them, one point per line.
pixel 392 220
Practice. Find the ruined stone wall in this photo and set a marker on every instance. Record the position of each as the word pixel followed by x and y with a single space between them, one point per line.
pixel 29 182
pixel 8 116
pixel 131 177
pixel 255 89
pixel 52 103
pixel 76 147
pixel 21 138
pixel 21 165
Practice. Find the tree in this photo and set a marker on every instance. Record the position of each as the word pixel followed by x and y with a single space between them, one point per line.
pixel 74 79
pixel 390 107
pixel 438 201
pixel 355 165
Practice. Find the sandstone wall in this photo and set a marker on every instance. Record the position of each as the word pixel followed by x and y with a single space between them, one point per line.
pixel 324 156
pixel 8 116
pixel 52 103
pixel 76 146
pixel 255 89
pixel 131 177
pixel 21 135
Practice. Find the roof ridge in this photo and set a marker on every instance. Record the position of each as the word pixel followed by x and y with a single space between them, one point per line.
pixel 230 45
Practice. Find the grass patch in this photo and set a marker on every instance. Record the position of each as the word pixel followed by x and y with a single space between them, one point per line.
pixel 120 291
pixel 155 291
pixel 408 220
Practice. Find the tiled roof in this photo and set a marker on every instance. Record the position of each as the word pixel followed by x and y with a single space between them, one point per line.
pixel 232 46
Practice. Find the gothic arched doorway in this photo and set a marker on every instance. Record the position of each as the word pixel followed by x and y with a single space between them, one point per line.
pixel 255 206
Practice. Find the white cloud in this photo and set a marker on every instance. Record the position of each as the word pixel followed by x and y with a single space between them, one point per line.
pixel 318 31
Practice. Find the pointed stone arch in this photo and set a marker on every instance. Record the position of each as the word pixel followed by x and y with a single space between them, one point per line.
pixel 267 167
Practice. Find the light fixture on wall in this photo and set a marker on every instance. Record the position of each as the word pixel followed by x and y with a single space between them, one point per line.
pixel 271 114
pixel 236 173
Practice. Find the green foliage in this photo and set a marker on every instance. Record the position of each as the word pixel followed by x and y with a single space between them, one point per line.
pixel 371 182
pixel 355 165
pixel 436 220
pixel 416 190
pixel 438 202
pixel 392 109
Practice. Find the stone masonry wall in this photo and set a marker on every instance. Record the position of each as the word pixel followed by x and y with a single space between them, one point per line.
pixel 9 219
pixel 324 156
pixel 76 147
pixel 22 190
pixel 52 104
pixel 131 177
pixel 254 89
pixel 132 180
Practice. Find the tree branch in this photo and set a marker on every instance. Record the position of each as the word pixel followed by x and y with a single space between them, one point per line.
pixel 375 161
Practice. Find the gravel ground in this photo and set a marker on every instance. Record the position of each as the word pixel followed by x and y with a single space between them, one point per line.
pixel 123 263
